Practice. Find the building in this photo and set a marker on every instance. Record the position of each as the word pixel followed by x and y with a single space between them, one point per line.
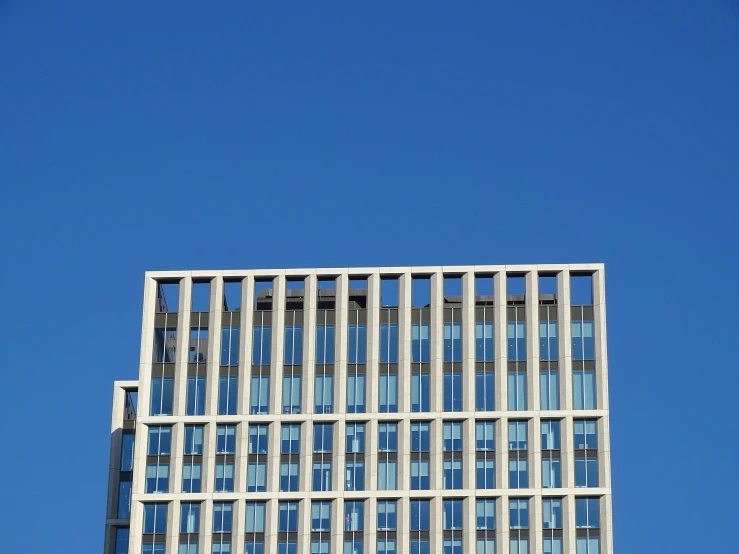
pixel 375 410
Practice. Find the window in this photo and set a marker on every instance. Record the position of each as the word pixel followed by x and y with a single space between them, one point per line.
pixel 549 388
pixel 225 477
pixel 587 513
pixel 191 474
pixel 195 396
pixel 255 512
pixel 353 546
pixel 355 393
pixel 254 547
pixel 553 545
pixel 485 391
pixel 259 394
pixel 222 517
pixel 551 473
pixel 221 547
pixel 486 546
pixel 258 439
pixel 227 393
pixel 322 437
pixel 548 345
pixel 386 515
pixel 293 344
pixel 586 471
pixel 552 513
pixel 452 546
pixel 320 516
pixel 485 511
pixel 420 392
pixel 388 343
pixel 485 435
pixel 420 343
pixel 420 475
pixel 550 435
pixel 290 439
pixel 588 545
pixel 157 478
pixel 127 444
pixel 519 545
pixel 583 389
pixel 452 392
pixel 452 436
pixel 388 437
pixel 155 519
pixel 355 475
pixel 193 440
pixel 320 546
pixel 287 547
pixel 516 341
pixel 153 547
pixel 226 438
pixel 165 344
pixel 160 440
pixel 485 473
pixel 190 517
pixel 291 393
pixel 420 546
pixel 287 521
pixel 354 438
pixel 452 342
pixel 452 475
pixel 516 390
pixel 586 434
pixel 322 476
pixel 324 393
pixel 519 513
pixel 230 346
pixel 419 515
pixel 289 476
pixel 324 344
pixel 583 343
pixel 261 345
pixel 386 547
pixel 162 394
pixel 420 437
pixel 121 540
pixel 518 473
pixel 387 471
pixel 357 351
pixel 198 352
pixel 124 499
pixel 388 393
pixel 484 342
pixel 188 548
pixel 517 435
pixel 256 476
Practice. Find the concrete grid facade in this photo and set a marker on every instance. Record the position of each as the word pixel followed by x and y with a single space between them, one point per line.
pixel 126 535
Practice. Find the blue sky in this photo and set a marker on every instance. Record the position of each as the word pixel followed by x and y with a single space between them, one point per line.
pixel 166 135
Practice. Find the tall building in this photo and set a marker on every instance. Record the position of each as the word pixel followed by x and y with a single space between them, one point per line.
pixel 385 410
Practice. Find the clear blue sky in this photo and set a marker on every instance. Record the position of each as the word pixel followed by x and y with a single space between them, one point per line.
pixel 159 135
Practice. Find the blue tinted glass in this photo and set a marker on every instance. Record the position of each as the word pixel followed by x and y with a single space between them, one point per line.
pixel 259 402
pixel 419 515
pixel 127 444
pixel 230 346
pixel 420 392
pixel 452 342
pixel 324 393
pixel 322 437
pixel 389 343
pixel 354 437
pixel 195 396
pixel 261 345
pixel 124 499
pixel 291 393
pixel 294 345
pixel 388 437
pixel 162 395
pixel 420 437
pixel 453 392
pixel 357 351
pixel 121 540
pixel 484 342
pixel 485 391
pixel 388 401
pixel 227 389
pixel 288 517
pixel 324 344
pixel 355 393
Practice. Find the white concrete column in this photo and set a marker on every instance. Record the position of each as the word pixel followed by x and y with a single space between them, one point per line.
pixel 601 353
pixel 404 455
pixel 436 379
pixel 468 342
pixel 214 345
pixel 341 339
pixel 532 340
pixel 436 532
pixel 501 340
pixel 246 334
pixel 183 344
pixel 373 342
pixel 436 454
pixel 564 322
pixel 404 342
pixel 239 527
pixel 147 348
pixel 309 343
pixel 371 431
pixel 469 455
pixel 278 343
